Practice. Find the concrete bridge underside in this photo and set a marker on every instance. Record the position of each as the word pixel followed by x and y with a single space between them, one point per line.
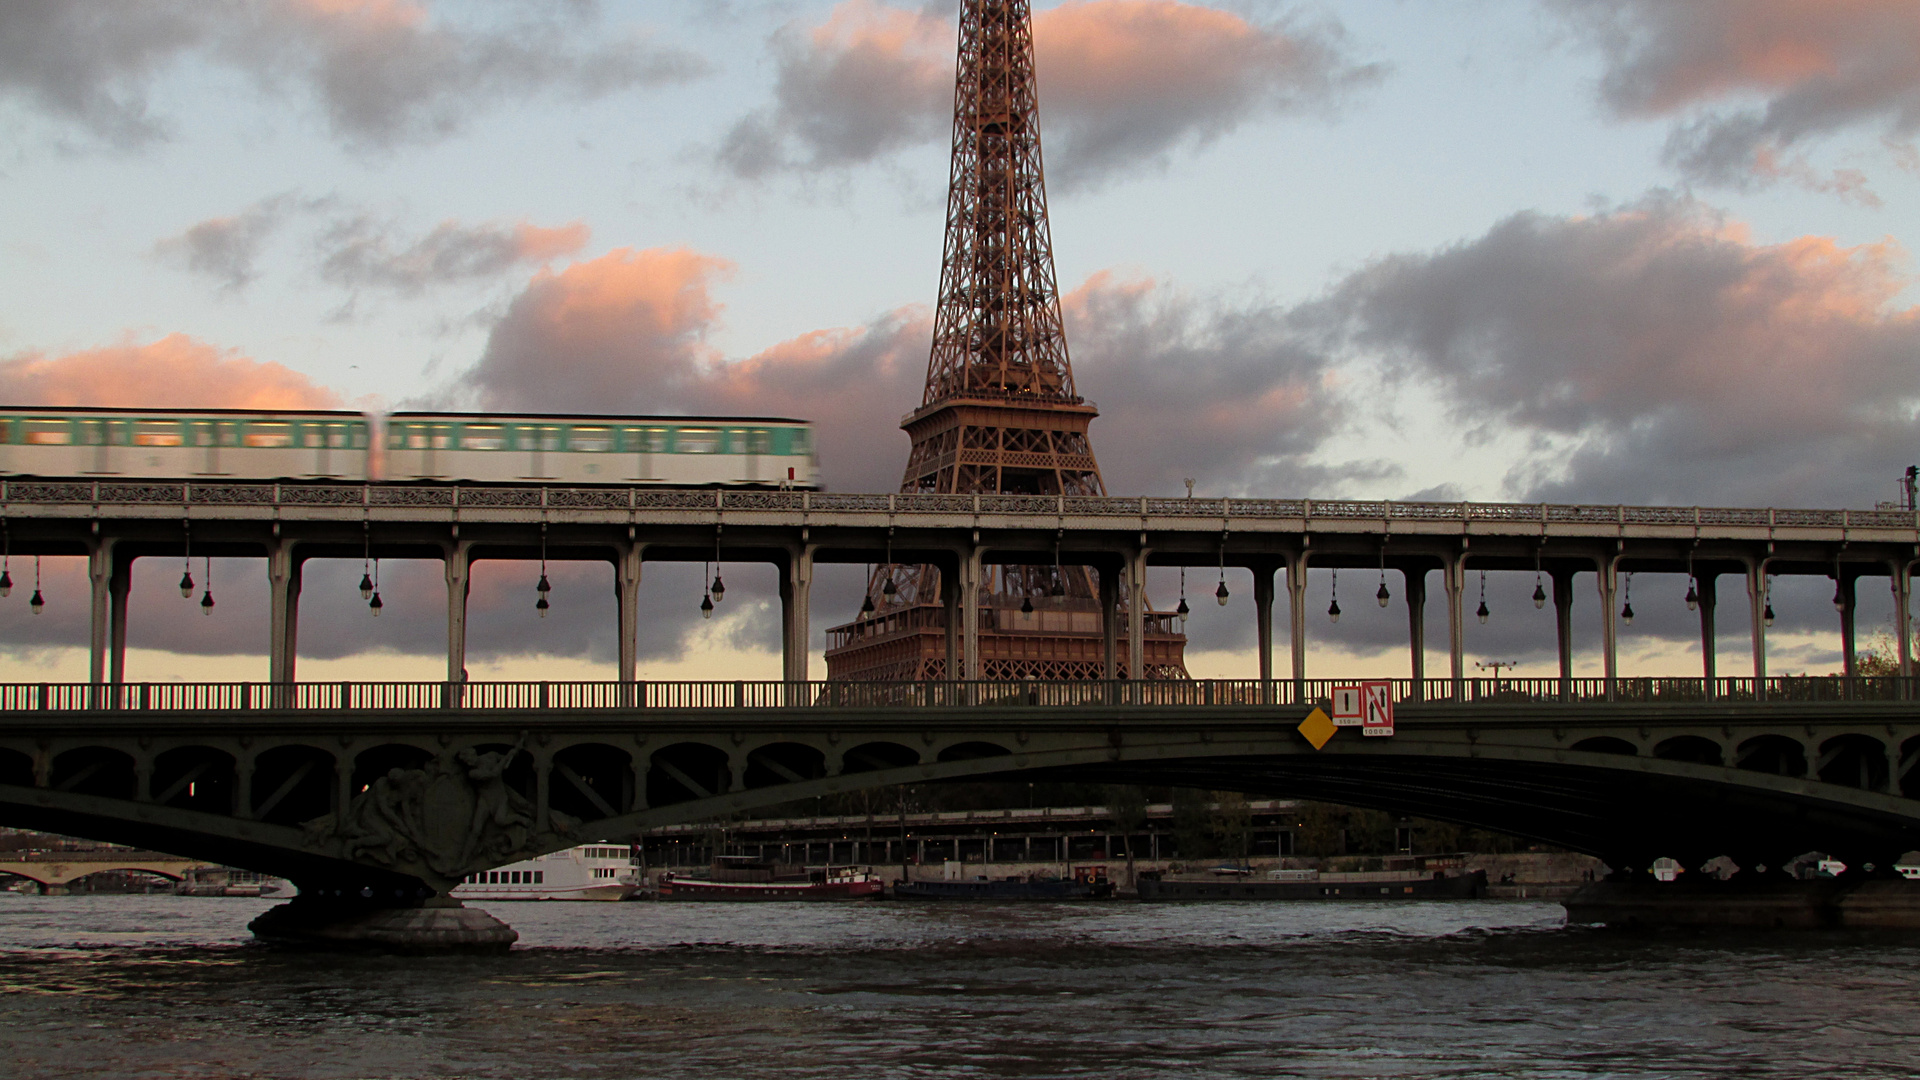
pixel 400 805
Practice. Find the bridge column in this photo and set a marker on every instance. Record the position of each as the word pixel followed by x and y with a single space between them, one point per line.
pixel 1455 569
pixel 459 565
pixel 1563 628
pixel 950 596
pixel 970 616
pixel 1414 584
pixel 1137 614
pixel 100 571
pixel 1843 587
pixel 1903 616
pixel 1709 644
pixel 1609 625
pixel 117 588
pixel 795 596
pixel 1110 622
pixel 1263 626
pixel 243 786
pixel 1757 602
pixel 1297 623
pixel 627 569
pixel 283 620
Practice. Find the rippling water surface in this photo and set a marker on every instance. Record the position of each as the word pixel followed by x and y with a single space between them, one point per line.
pixel 174 987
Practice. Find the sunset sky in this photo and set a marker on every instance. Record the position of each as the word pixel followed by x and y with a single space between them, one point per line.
pixel 1569 250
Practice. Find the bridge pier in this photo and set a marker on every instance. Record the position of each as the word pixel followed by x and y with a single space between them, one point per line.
pixel 1563 628
pixel 1609 624
pixel 358 919
pixel 283 577
pixel 1414 582
pixel 1297 622
pixel 459 568
pixel 1757 602
pixel 1709 644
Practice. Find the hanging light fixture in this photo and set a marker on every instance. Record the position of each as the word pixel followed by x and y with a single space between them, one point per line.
pixel 186 564
pixel 1183 610
pixel 1026 605
pixel 38 603
pixel 1839 597
pixel 1059 588
pixel 372 586
pixel 366 562
pixel 1626 610
pixel 1481 612
pixel 1383 595
pixel 543 586
pixel 1333 609
pixel 1693 597
pixel 1766 616
pixel 1220 593
pixel 718 590
pixel 1539 588
pixel 206 598
pixel 887 588
pixel 6 559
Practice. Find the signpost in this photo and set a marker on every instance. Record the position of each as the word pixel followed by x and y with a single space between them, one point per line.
pixel 1366 705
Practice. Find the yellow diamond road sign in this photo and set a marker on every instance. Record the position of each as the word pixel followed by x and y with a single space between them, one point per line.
pixel 1318 728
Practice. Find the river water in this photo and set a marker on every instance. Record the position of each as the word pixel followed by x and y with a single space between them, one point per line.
pixel 154 986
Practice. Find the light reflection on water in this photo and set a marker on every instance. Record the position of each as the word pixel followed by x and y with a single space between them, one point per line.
pixel 171 987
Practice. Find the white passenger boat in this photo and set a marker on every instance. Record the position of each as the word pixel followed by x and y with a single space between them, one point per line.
pixel 587 872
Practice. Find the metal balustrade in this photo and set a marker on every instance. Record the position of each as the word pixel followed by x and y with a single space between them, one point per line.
pixel 324 697
pixel 99 493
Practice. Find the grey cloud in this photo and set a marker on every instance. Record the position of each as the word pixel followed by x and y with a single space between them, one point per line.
pixel 1657 355
pixel 226 249
pixel 361 252
pixel 1125 84
pixel 1814 68
pixel 382 74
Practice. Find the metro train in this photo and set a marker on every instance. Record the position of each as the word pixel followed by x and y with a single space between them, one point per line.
pixel 475 448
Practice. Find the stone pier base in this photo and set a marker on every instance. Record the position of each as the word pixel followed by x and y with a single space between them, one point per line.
pixel 439 925
pixel 1776 904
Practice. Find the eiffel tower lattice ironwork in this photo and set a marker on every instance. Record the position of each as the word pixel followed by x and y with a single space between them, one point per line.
pixel 1000 414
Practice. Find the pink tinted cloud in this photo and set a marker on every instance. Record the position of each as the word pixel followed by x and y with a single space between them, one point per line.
pixel 1814 68
pixel 175 371
pixel 1124 83
pixel 1188 386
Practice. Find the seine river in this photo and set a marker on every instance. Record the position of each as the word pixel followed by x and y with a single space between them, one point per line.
pixel 173 987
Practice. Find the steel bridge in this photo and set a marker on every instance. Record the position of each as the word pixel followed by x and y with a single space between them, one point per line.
pixel 114 524
pixel 403 788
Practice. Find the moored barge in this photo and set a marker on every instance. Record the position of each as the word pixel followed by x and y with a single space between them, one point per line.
pixel 1312 885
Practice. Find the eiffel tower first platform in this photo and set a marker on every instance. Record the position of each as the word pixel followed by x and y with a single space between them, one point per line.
pixel 1000 414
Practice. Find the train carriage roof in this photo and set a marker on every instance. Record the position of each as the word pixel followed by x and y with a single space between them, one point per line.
pixel 103 410
pixel 605 418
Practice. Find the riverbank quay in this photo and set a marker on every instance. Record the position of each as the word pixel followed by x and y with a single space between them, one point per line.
pixel 1776 903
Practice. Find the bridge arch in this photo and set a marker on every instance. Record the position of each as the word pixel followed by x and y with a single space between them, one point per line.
pixel 591 781
pixel 95 770
pixel 783 763
pixel 687 771
pixel 1695 748
pixel 972 751
pixel 292 784
pixel 1854 760
pixel 1607 744
pixel 869 757
pixel 375 762
pixel 195 778
pixel 15 768
pixel 1780 755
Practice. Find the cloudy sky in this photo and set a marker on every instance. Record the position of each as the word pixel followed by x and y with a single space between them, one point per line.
pixel 1611 250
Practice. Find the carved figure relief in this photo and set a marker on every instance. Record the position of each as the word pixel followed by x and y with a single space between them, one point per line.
pixel 455 814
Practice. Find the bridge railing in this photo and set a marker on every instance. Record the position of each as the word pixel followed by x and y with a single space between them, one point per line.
pixel 242 697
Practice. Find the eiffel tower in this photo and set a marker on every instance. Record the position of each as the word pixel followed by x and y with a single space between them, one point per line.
pixel 1000 414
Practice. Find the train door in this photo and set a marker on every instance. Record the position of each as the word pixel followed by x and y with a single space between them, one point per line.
pixel 207 439
pixel 93 436
pixel 229 437
pixel 438 437
pixel 759 445
pixel 545 440
pixel 633 440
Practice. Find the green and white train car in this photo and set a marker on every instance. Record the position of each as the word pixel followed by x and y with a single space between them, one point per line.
pixel 236 444
pixel 183 444
pixel 677 451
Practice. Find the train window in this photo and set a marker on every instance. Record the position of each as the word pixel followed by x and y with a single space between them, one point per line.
pixel 203 434
pixel 314 438
pixel 157 433
pixel 49 433
pixel 591 440
pixel 800 437
pixel 442 440
pixel 483 437
pixel 268 435
pixel 337 436
pixel 228 435
pixel 657 440
pixel 549 438
pixel 397 437
pixel 92 432
pixel 417 439
pixel 759 441
pixel 697 441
